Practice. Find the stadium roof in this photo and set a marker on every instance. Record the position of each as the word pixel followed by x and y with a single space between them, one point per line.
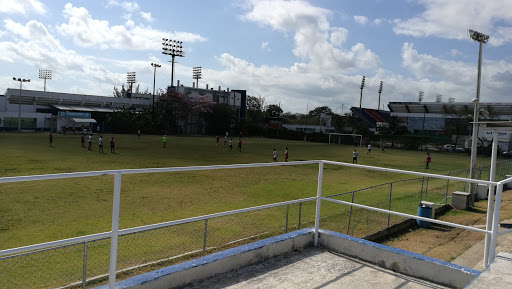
pixel 440 107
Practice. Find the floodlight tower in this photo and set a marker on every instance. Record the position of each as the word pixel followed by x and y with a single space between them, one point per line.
pixel 130 78
pixel 361 98
pixel 173 48
pixel 155 65
pixel 380 91
pixel 480 38
pixel 45 74
pixel 19 100
pixel 196 74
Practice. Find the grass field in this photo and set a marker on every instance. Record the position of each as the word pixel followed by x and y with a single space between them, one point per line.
pixel 43 211
pixel 35 212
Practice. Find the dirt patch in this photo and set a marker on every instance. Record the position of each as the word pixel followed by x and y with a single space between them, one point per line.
pixel 447 243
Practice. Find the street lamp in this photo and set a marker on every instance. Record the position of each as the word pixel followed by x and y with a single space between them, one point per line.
pixel 130 78
pixel 196 74
pixel 380 91
pixel 154 79
pixel 19 100
pixel 45 74
pixel 173 48
pixel 480 38
pixel 361 98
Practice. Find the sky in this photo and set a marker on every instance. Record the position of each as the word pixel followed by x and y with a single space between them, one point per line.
pixel 297 54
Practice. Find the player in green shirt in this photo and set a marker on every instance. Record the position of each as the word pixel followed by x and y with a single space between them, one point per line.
pixel 164 141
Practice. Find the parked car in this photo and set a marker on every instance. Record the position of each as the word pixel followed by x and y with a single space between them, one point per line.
pixel 452 148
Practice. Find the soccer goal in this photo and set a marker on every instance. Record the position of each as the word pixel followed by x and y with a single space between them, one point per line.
pixel 346 139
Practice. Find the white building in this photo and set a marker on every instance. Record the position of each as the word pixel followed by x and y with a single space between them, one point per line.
pixel 44 111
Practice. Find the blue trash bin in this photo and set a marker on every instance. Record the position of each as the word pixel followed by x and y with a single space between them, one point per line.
pixel 426 212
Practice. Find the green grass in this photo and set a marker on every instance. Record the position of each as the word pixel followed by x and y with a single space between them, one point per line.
pixel 42 211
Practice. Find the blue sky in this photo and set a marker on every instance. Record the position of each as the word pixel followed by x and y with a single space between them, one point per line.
pixel 297 53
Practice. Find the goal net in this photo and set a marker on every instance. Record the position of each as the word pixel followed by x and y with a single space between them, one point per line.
pixel 346 139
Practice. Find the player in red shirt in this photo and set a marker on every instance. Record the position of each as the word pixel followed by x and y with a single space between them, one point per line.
pixel 239 145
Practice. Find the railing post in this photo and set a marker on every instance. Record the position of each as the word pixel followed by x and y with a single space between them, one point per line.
pixel 84 266
pixel 300 212
pixel 426 188
pixel 389 204
pixel 488 255
pixel 446 192
pixel 495 223
pixel 318 196
pixel 115 231
pixel 205 232
pixel 465 182
pixel 421 191
pixel 286 221
pixel 350 214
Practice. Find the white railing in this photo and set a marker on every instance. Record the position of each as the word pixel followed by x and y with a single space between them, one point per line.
pixel 491 230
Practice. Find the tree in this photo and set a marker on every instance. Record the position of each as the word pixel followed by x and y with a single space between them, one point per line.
pixel 318 111
pixel 254 110
pixel 458 123
pixel 221 118
pixel 120 93
pixel 395 129
pixel 273 110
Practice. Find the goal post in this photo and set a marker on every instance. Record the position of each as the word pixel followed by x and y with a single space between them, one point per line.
pixel 346 138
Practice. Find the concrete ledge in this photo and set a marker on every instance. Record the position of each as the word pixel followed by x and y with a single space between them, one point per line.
pixel 221 262
pixel 495 275
pixel 398 260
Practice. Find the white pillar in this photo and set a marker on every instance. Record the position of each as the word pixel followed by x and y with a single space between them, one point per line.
pixel 488 255
pixel 115 231
pixel 318 196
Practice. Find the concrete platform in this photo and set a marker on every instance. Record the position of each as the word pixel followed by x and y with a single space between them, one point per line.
pixel 497 275
pixel 312 268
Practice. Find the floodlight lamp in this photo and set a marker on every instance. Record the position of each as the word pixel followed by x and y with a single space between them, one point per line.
pixel 475 100
pixel 484 112
pixel 14 78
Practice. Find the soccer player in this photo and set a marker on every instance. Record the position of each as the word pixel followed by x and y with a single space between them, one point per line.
pixel 138 133
pixel 354 157
pixel 231 145
pixel 90 142
pixel 217 138
pixel 428 160
pixel 164 141
pixel 225 139
pixel 100 143
pixel 239 145
pixel 274 155
pixel 82 140
pixel 369 149
pixel 50 137
pixel 286 154
pixel 112 145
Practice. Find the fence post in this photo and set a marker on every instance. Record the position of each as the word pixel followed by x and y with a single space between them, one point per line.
pixel 300 212
pixel 286 222
pixel 466 178
pixel 421 191
pixel 84 267
pixel 115 231
pixel 350 214
pixel 389 204
pixel 446 193
pixel 205 232
pixel 318 196
pixel 495 223
pixel 426 188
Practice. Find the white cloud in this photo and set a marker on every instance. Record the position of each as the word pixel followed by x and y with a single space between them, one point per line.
pixel 264 46
pixel 455 52
pixel 89 32
pixel 451 19
pixel 146 16
pixel 22 7
pixel 315 40
pixel 361 19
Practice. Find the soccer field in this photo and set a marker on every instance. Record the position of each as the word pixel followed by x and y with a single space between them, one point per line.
pixel 35 212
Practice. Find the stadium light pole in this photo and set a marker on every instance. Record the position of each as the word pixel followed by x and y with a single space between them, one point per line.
pixel 196 74
pixel 130 78
pixel 173 48
pixel 19 100
pixel 361 98
pixel 45 74
pixel 480 38
pixel 380 91
pixel 155 65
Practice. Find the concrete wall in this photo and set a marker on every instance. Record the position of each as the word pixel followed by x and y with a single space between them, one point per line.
pixel 221 262
pixel 401 261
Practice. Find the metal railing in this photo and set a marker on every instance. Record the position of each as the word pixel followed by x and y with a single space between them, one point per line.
pixel 96 244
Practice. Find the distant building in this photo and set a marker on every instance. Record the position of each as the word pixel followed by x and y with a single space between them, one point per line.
pixel 44 111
